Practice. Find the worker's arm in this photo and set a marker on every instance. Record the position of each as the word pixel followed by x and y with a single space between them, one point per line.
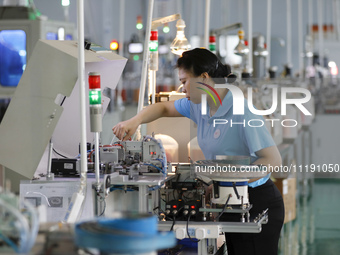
pixel 268 156
pixel 125 129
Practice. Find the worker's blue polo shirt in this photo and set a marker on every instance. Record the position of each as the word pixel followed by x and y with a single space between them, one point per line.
pixel 235 135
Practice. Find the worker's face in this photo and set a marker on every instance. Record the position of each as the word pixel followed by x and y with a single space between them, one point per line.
pixel 187 79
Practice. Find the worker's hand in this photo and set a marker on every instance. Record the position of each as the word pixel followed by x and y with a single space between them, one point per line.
pixel 125 129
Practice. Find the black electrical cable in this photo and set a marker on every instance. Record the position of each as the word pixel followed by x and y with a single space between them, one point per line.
pixel 103 208
pixel 88 252
pixel 59 154
pixel 188 198
pixel 173 194
pixel 199 179
pixel 235 190
pixel 173 223
pixel 224 207
pixel 154 209
pixel 192 240
pixel 174 218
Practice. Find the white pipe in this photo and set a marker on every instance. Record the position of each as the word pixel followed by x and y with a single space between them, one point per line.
pixel 96 158
pixel 199 22
pixel 193 18
pixel 250 36
pixel 225 12
pixel 145 58
pixel 152 88
pixel 82 91
pixel 300 39
pixel 310 22
pixel 289 34
pixel 269 28
pixel 337 19
pixel 121 47
pixel 334 20
pixel 66 13
pixel 49 163
pixel 207 24
pixel 310 16
pixel 241 10
pixel 320 31
pixel 179 5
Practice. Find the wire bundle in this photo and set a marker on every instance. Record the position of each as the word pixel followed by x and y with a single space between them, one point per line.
pixel 26 224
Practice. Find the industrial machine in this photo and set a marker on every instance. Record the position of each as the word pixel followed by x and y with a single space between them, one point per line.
pixel 188 198
pixel 198 194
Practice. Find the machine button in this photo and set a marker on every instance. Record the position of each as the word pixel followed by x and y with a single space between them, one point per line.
pixel 180 233
pixel 200 233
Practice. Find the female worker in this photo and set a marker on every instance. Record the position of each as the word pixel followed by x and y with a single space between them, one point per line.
pixel 200 69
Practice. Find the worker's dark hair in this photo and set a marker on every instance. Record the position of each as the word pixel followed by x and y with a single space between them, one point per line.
pixel 200 60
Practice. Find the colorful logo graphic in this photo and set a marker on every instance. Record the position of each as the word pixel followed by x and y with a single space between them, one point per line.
pixel 209 93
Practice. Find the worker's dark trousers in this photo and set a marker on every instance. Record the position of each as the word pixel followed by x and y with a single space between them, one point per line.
pixel 265 242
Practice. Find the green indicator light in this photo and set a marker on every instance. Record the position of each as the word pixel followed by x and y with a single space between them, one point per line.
pixel 95 97
pixel 212 47
pixel 65 2
pixel 166 29
pixel 135 57
pixel 153 45
pixel 139 26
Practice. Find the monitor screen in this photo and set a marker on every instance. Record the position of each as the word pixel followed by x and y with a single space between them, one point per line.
pixel 12 56
pixel 51 36
pixel 69 37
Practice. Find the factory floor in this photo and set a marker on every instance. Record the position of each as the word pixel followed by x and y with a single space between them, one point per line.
pixel 316 229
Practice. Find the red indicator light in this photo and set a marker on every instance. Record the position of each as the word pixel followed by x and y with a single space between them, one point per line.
pixel 94 80
pixel 154 35
pixel 212 39
pixel 192 207
pixel 174 206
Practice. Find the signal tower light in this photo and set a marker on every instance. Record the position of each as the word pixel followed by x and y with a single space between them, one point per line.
pixel 95 102
pixel 166 28
pixel 153 45
pixel 114 45
pixel 212 43
pixel 139 24
pixel 94 89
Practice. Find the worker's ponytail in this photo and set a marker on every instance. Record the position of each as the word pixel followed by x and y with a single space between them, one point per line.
pixel 198 61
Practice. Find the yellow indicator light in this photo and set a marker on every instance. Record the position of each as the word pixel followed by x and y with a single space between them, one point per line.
pixel 114 45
